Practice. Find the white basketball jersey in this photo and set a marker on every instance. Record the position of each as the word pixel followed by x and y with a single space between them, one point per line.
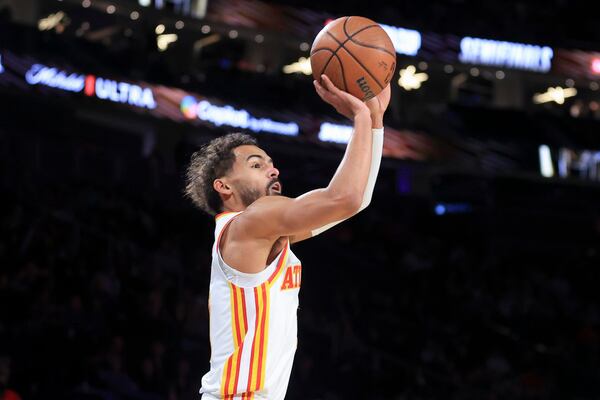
pixel 253 326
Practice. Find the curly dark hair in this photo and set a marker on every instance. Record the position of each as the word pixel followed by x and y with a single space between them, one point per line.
pixel 212 161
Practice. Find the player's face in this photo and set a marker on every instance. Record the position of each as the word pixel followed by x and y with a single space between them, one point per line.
pixel 253 174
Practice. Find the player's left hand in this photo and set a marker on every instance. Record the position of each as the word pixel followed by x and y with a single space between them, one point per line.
pixel 378 105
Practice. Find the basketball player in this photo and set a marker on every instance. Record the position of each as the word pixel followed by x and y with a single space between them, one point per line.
pixel 255 277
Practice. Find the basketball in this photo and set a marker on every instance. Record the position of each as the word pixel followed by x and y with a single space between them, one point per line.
pixel 356 54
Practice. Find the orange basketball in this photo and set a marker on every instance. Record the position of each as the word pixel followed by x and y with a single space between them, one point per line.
pixel 356 54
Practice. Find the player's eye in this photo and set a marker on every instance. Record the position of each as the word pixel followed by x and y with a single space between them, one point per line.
pixel 256 165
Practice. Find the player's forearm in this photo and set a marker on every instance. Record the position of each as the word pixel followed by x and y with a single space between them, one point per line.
pixel 376 154
pixel 350 179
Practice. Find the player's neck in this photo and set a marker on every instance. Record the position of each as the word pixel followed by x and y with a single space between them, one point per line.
pixel 233 205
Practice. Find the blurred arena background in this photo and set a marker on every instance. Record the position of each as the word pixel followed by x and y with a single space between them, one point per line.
pixel 473 275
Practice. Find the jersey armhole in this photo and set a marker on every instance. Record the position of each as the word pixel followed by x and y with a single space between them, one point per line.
pixel 245 279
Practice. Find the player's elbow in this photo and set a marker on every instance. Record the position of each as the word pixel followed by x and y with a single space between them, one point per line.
pixel 364 204
pixel 349 204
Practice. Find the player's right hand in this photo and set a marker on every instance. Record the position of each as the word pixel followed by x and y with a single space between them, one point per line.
pixel 344 103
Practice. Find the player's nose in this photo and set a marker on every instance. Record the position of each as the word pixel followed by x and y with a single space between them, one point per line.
pixel 273 172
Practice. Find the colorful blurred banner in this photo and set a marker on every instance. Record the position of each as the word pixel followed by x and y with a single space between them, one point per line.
pixel 577 64
pixel 445 48
pixel 28 75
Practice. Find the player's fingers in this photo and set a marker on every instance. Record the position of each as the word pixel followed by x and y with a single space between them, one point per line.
pixel 323 91
pixel 323 94
pixel 328 84
pixel 319 88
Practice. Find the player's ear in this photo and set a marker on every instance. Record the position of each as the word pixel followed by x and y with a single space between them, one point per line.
pixel 221 186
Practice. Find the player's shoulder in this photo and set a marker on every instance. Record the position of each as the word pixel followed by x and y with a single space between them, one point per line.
pixel 261 214
pixel 265 204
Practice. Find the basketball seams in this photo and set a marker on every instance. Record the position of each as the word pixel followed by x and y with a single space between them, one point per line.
pixel 363 67
pixel 352 55
pixel 321 49
pixel 328 61
pixel 356 42
pixel 343 74
pixel 386 51
pixel 334 53
pixel 341 67
pixel 351 38
pixel 337 41
pixel 344 27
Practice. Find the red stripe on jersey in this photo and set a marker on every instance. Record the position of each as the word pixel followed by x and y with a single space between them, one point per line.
pixel 261 348
pixel 244 311
pixel 238 334
pixel 279 264
pixel 248 389
pixel 242 330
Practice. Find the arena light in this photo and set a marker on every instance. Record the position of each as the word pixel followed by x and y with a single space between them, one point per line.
pixel 336 133
pixel 546 167
pixel 51 21
pixel 1 66
pixel 406 41
pixel 556 94
pixel 163 41
pixel 452 208
pixel 302 65
pixel 410 79
pixel 206 41
pixel 595 67
pixel 505 54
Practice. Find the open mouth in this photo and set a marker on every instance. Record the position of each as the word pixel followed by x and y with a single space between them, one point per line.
pixel 276 187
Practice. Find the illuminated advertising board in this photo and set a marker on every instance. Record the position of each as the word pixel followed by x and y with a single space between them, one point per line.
pixel 406 41
pixel 237 118
pixel 570 163
pixel 329 132
pixel 92 86
pixel 160 101
pixel 402 144
pixel 505 54
pixel 28 75
pixel 39 74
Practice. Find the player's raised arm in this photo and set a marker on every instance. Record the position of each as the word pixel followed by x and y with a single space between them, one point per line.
pixel 275 216
pixel 377 105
